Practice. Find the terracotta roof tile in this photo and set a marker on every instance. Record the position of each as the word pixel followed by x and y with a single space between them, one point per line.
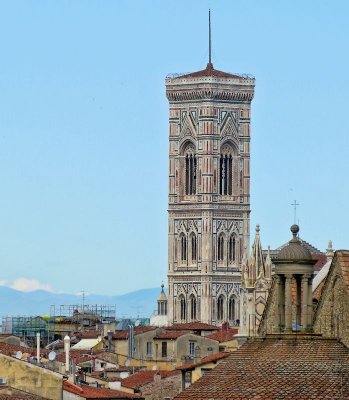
pixel 89 392
pixel 224 335
pixel 77 355
pixel 205 360
pixel 170 335
pixel 193 326
pixel 90 334
pixel 209 71
pixel 7 393
pixel 141 378
pixel 302 368
pixel 11 349
pixel 124 334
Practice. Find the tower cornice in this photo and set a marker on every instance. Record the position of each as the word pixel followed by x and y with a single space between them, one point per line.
pixel 210 84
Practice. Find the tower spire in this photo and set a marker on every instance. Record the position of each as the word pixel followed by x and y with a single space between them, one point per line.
pixel 209 39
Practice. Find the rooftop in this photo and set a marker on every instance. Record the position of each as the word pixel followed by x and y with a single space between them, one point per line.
pixel 89 392
pixel 124 334
pixel 7 393
pixel 210 71
pixel 224 335
pixel 193 326
pixel 293 367
pixel 208 359
pixel 170 335
pixel 143 377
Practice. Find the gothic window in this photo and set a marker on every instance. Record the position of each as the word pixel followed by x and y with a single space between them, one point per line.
pixel 193 243
pixel 220 248
pixel 220 308
pixel 183 311
pixel 192 308
pixel 231 309
pixel 183 245
pixel 232 248
pixel 226 171
pixel 190 170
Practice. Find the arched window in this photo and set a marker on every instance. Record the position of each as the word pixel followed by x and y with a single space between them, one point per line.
pixel 192 308
pixel 190 170
pixel 226 171
pixel 220 308
pixel 183 245
pixel 183 310
pixel 193 243
pixel 231 309
pixel 220 251
pixel 232 248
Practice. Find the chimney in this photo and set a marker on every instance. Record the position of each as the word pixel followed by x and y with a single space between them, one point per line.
pixel 67 351
pixel 38 348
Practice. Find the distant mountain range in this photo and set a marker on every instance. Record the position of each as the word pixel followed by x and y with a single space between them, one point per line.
pixel 140 303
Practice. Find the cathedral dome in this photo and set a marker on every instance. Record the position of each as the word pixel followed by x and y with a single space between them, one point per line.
pixel 294 251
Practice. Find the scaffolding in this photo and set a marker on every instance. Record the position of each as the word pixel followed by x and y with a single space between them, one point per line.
pixel 99 313
pixel 27 327
pixel 63 319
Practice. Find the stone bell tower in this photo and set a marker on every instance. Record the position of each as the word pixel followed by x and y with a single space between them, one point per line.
pixel 209 193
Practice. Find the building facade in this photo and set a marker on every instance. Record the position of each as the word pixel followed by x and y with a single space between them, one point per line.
pixel 209 193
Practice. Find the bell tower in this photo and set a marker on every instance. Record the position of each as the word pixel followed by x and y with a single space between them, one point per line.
pixel 209 193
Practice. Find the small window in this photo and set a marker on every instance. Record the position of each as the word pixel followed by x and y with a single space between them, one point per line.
pixel 204 371
pixel 187 379
pixel 192 349
pixel 149 349
pixel 164 349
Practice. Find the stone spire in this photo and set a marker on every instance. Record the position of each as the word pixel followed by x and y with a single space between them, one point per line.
pixel 162 302
pixel 329 251
pixel 268 265
pixel 256 264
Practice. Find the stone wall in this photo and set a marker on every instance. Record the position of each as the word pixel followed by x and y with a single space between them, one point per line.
pixel 30 378
pixel 332 315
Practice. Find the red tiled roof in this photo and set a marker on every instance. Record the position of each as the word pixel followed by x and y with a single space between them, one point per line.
pixel 89 392
pixel 11 349
pixel 7 393
pixel 192 326
pixel 321 260
pixel 123 335
pixel 143 377
pixel 209 71
pixel 170 335
pixel 224 335
pixel 291 367
pixel 205 360
pixel 77 355
pixel 89 335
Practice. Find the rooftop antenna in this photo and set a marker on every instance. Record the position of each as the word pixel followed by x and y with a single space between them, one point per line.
pixel 209 38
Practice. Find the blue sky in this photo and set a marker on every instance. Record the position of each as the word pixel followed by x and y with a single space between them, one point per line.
pixel 84 130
